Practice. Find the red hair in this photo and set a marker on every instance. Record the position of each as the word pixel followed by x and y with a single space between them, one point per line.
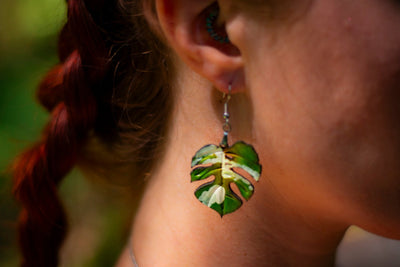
pixel 109 59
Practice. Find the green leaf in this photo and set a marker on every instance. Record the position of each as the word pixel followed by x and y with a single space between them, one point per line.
pixel 219 162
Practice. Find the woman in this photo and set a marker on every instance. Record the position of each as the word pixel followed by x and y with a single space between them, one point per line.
pixel 312 85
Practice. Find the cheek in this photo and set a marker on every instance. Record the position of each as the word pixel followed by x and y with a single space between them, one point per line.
pixel 328 96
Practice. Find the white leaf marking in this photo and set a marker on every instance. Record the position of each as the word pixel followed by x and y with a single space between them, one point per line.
pixel 216 194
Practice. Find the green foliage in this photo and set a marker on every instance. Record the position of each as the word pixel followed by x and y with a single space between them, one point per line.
pixel 220 161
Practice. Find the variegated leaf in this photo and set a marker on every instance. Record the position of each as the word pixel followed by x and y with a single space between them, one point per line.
pixel 219 162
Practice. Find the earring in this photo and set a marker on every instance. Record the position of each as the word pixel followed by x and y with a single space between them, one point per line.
pixel 221 162
pixel 210 26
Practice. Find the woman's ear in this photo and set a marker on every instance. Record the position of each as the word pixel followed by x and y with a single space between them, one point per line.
pixel 196 31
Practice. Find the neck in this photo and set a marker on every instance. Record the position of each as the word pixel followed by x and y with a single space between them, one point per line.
pixel 172 228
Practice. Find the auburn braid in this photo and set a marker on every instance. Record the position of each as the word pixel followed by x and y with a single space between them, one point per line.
pixel 66 92
pixel 110 57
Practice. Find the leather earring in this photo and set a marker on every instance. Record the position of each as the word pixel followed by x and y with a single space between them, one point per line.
pixel 222 162
pixel 210 26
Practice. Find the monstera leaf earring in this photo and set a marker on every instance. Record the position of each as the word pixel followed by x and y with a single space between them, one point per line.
pixel 222 162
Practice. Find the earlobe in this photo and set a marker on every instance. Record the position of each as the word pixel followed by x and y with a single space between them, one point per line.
pixel 196 31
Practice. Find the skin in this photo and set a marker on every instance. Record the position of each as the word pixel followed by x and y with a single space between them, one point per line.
pixel 316 89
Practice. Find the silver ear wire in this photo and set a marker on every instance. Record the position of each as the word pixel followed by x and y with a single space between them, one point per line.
pixel 210 26
pixel 226 127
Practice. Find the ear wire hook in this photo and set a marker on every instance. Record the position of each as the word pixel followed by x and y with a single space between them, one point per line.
pixel 227 96
pixel 226 127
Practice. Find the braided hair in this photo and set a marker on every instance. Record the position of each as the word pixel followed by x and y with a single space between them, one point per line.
pixel 111 85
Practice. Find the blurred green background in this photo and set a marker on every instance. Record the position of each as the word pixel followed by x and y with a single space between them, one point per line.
pixel 28 38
